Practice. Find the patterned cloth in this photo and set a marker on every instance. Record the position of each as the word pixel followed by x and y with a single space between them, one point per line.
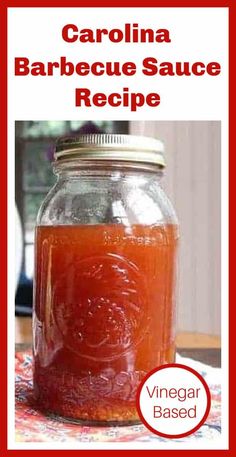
pixel 32 425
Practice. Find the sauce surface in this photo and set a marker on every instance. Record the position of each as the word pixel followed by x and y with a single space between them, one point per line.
pixel 103 316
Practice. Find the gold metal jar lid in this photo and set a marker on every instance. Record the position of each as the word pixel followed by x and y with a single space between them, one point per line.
pixel 128 148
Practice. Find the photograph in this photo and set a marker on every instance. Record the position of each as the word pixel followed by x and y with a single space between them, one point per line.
pixel 117 274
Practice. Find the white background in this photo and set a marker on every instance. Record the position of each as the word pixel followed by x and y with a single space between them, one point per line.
pixel 198 34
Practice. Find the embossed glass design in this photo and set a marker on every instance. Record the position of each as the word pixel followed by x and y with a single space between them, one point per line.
pixel 104 305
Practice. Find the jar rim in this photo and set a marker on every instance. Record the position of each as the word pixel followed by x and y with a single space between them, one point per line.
pixel 108 146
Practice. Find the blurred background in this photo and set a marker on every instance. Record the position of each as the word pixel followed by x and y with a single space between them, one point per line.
pixel 192 181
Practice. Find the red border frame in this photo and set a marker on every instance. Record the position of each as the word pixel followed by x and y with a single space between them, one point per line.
pixel 183 367
pixel 4 4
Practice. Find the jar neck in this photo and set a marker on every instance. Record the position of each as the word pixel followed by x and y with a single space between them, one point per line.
pixel 66 169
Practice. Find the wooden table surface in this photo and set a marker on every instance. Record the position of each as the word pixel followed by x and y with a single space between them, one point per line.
pixel 198 346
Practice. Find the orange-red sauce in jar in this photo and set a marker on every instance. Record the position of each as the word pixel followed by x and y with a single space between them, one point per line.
pixel 104 316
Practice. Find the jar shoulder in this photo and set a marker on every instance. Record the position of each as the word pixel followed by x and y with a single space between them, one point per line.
pixel 87 201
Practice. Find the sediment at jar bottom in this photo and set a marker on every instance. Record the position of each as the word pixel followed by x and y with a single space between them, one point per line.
pixel 97 412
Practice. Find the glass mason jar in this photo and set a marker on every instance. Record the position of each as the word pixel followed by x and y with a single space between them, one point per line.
pixel 104 292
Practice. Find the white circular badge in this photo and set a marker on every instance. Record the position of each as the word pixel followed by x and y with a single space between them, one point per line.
pixel 173 400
